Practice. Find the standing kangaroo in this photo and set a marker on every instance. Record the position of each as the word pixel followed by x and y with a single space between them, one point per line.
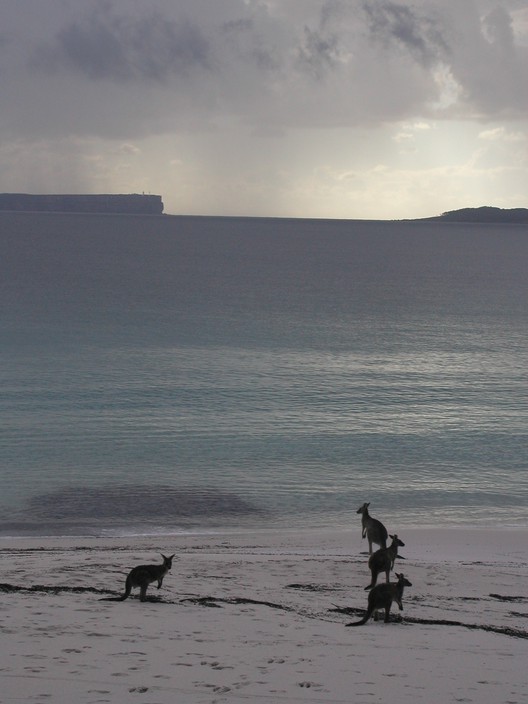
pixel 383 560
pixel 381 597
pixel 143 575
pixel 373 529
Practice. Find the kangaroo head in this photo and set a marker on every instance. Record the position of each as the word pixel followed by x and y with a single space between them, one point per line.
pixel 363 508
pixel 167 561
pixel 396 540
pixel 402 579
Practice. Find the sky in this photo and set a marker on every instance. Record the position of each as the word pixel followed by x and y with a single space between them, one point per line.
pixel 379 109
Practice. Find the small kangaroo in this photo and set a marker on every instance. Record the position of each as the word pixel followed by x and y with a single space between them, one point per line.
pixel 373 529
pixel 142 575
pixel 381 597
pixel 383 560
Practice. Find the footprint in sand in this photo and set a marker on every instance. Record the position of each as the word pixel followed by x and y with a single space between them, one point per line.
pixel 216 665
pixel 308 685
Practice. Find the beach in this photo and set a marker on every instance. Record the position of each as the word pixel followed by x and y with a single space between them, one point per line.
pixel 261 617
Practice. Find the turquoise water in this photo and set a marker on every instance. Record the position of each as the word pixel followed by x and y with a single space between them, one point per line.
pixel 170 373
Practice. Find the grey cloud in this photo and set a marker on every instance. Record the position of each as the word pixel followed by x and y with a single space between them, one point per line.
pixel 247 43
pixel 498 26
pixel 488 65
pixel 323 42
pixel 128 68
pixel 112 46
pixel 318 53
pixel 478 49
pixel 419 34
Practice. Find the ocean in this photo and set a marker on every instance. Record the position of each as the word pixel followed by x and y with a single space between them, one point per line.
pixel 167 374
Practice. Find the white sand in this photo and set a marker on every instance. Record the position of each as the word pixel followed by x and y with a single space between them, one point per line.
pixel 69 646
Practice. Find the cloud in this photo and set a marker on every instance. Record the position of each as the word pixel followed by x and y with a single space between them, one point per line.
pixel 501 134
pixel 258 97
pixel 127 148
pixel 418 33
pixel 111 45
pixel 403 137
pixel 245 38
pixel 114 68
pixel 487 63
pixel 318 53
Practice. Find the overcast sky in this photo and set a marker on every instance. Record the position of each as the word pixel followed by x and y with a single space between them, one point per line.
pixel 303 108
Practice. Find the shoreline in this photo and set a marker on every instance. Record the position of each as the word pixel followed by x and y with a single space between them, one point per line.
pixel 478 533
pixel 262 617
pixel 160 532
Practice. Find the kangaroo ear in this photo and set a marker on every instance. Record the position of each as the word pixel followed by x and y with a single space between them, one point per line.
pixel 398 575
pixel 367 505
pixel 392 536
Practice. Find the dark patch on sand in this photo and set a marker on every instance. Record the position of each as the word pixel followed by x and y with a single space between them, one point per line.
pixel 55 589
pixel 216 601
pixel 503 630
pixel 314 587
pixel 499 597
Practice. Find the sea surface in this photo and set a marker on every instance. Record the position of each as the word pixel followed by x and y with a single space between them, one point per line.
pixel 167 374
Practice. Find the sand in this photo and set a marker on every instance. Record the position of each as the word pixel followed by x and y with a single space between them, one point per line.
pixel 261 618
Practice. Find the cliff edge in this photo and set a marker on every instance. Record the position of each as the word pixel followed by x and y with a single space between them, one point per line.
pixel 133 203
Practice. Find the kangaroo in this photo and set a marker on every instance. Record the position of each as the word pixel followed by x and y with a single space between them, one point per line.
pixel 141 576
pixel 373 529
pixel 381 597
pixel 383 560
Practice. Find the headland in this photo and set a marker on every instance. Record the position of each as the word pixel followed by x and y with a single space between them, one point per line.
pixel 130 204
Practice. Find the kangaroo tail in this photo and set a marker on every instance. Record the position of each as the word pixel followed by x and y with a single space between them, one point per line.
pixel 357 623
pixel 125 595
pixel 363 620
pixel 113 598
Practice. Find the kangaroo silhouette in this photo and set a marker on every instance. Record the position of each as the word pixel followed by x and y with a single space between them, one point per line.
pixel 381 597
pixel 143 575
pixel 373 530
pixel 383 560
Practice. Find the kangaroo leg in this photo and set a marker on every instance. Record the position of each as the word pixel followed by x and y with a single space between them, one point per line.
pixel 143 592
pixel 372 580
pixel 387 612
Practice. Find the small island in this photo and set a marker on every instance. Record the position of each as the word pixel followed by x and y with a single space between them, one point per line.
pixel 485 214
pixel 129 204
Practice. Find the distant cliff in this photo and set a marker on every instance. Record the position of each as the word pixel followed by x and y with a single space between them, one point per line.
pixel 515 216
pixel 133 203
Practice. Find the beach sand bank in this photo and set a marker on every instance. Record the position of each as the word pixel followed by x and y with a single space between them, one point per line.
pixel 261 617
